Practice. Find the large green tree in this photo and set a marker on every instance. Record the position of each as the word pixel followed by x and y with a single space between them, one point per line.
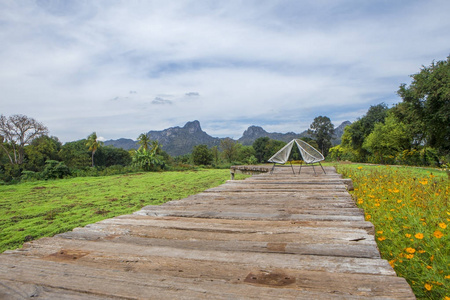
pixel 322 131
pixel 75 154
pixel 16 132
pixel 40 150
pixel 265 147
pixel 246 154
pixel 355 134
pixel 229 149
pixel 386 140
pixel 426 106
pixel 261 149
pixel 112 156
pixel 201 155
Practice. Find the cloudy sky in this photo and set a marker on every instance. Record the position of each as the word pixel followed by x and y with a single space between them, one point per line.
pixel 122 68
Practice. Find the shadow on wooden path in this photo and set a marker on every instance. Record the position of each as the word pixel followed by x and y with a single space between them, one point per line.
pixel 275 236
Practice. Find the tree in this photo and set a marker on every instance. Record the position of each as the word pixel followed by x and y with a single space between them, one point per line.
pixel 260 147
pixel 112 156
pixel 215 153
pixel 18 131
pixel 40 150
pixel 265 147
pixel 336 152
pixel 201 155
pixel 426 106
pixel 229 149
pixel 75 154
pixel 93 144
pixel 144 141
pixel 246 154
pixel 386 140
pixel 354 135
pixel 147 160
pixel 322 130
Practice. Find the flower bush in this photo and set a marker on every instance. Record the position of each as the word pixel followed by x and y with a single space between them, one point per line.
pixel 410 211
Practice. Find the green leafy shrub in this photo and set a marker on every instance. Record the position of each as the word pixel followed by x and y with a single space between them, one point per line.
pixel 29 176
pixel 147 160
pixel 55 169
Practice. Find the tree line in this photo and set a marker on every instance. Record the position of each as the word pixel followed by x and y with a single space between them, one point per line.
pixel 415 131
pixel 30 154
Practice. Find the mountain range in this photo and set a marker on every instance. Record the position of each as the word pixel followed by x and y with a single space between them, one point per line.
pixel 180 140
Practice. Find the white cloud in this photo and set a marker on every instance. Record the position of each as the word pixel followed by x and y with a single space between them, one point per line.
pixel 84 66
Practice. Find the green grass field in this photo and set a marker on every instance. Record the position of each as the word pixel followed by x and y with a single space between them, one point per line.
pixel 410 210
pixel 33 210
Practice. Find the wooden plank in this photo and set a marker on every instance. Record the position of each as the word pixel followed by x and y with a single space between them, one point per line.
pixel 275 255
pixel 152 211
pixel 232 281
pixel 333 241
pixel 13 290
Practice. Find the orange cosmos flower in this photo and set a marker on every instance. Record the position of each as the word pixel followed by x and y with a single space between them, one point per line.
pixel 410 250
pixel 438 234
pixel 392 263
pixel 419 236
pixel 443 225
pixel 428 286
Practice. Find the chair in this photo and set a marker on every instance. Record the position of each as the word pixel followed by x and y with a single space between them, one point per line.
pixel 309 155
pixel 282 156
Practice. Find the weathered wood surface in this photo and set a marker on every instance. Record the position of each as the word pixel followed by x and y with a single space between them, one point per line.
pixel 276 236
pixel 251 170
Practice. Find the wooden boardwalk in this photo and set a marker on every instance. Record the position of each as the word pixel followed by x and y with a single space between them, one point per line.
pixel 273 236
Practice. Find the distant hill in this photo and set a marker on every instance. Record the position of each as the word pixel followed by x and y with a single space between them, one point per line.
pixel 339 131
pixel 175 140
pixel 180 140
pixel 126 144
pixel 254 132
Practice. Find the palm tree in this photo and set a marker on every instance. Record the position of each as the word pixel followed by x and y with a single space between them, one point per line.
pixel 93 144
pixel 156 147
pixel 144 141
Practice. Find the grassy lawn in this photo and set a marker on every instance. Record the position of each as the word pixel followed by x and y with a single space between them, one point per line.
pixel 33 210
pixel 410 210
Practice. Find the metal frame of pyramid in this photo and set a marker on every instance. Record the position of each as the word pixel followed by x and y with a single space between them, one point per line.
pixel 310 155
